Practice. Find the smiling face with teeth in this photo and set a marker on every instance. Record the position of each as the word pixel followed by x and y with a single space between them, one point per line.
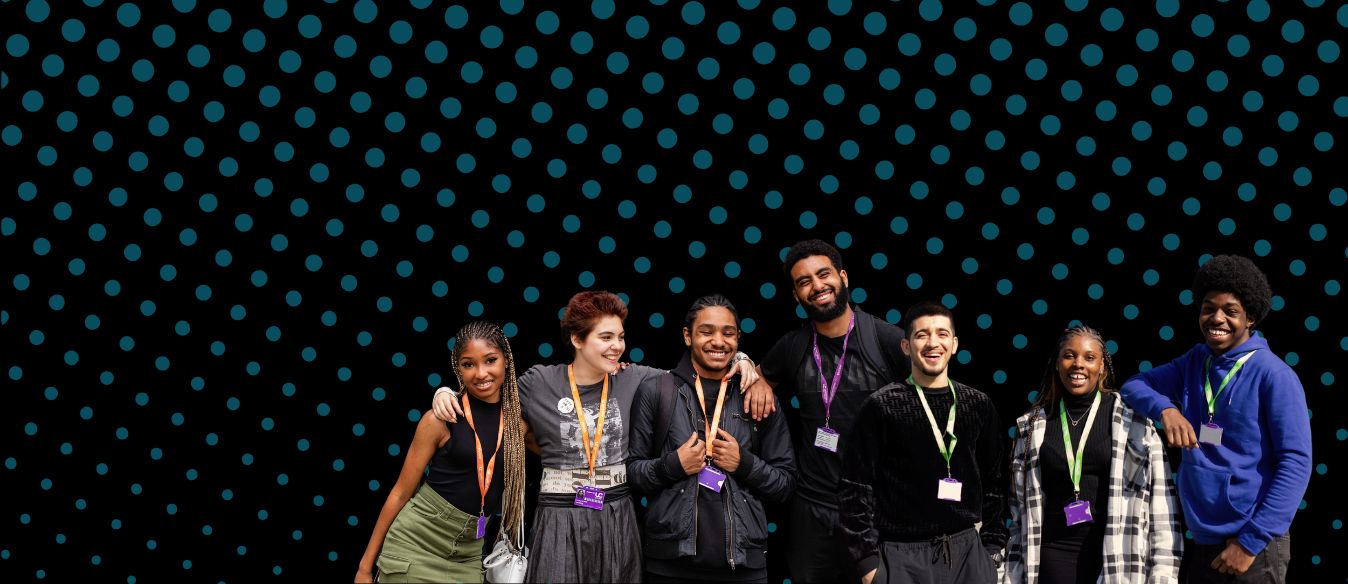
pixel 1081 364
pixel 713 340
pixel 820 288
pixel 482 369
pixel 930 344
pixel 600 350
pixel 1223 321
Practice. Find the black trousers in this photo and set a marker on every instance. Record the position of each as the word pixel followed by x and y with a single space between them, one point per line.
pixel 817 551
pixel 957 558
pixel 1071 561
pixel 1269 567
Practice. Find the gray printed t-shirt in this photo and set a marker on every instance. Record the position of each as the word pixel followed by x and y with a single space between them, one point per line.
pixel 546 404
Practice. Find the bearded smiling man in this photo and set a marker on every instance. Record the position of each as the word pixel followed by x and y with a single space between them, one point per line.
pixel 915 491
pixel 831 364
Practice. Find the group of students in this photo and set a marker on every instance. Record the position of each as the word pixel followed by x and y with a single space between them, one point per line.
pixel 899 473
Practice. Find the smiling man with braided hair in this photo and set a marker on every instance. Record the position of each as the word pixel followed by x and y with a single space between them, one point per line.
pixel 705 466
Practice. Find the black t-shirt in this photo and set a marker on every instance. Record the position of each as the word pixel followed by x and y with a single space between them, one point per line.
pixel 711 532
pixel 794 374
pixel 453 468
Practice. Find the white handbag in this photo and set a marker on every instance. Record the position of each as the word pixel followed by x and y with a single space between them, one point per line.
pixel 508 562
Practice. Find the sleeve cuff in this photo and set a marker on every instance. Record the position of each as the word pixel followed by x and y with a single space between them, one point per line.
pixel 996 552
pixel 746 466
pixel 1252 543
pixel 868 563
pixel 673 469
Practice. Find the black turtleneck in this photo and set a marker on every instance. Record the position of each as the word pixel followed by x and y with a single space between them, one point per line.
pixel 1057 479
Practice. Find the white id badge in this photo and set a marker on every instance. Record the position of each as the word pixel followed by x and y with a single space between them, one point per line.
pixel 949 489
pixel 826 438
pixel 1210 434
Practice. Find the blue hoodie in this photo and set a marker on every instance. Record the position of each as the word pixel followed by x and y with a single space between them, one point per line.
pixel 1250 486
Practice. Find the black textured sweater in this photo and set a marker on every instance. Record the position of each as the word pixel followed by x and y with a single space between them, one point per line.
pixel 891 471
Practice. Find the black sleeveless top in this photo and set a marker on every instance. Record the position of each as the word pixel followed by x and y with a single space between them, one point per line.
pixel 453 469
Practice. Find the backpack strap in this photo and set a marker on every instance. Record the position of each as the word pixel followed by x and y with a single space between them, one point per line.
pixel 800 345
pixel 665 417
pixel 869 335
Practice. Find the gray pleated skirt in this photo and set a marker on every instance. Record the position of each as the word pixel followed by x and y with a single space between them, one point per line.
pixel 575 544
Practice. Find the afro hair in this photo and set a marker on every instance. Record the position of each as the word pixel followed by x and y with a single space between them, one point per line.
pixel 1239 276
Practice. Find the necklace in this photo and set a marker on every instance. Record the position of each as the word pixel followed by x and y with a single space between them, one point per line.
pixel 1076 421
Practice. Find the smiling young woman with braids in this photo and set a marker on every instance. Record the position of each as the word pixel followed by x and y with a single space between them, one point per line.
pixel 1091 497
pixel 433 530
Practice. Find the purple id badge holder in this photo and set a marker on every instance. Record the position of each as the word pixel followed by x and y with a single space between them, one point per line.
pixel 712 478
pixel 589 497
pixel 826 438
pixel 1078 512
pixel 481 526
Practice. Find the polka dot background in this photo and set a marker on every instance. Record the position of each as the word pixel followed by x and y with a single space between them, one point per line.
pixel 239 236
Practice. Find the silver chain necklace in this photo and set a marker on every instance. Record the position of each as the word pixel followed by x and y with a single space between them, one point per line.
pixel 1076 421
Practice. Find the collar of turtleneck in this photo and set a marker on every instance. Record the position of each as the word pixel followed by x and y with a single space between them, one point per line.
pixel 1079 403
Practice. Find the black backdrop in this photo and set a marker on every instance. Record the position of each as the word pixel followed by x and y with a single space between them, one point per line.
pixel 238 237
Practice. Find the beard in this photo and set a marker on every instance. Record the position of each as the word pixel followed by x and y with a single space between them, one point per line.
pixel 841 298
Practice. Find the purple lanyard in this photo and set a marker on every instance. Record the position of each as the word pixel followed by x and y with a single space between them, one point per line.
pixel 829 393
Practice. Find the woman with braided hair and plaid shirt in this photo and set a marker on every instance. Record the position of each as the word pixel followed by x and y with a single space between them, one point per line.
pixel 433 530
pixel 1091 496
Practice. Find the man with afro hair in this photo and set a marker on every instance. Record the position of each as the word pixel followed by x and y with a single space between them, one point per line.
pixel 1243 474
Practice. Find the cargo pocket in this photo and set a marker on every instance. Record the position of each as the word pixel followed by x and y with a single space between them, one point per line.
pixel 392 569
pixel 669 516
pixel 752 521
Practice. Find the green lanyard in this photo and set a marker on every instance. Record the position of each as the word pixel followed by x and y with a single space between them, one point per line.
pixel 946 451
pixel 1074 459
pixel 1207 381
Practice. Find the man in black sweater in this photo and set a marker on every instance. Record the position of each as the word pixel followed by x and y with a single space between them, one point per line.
pixel 704 466
pixel 831 364
pixel 921 495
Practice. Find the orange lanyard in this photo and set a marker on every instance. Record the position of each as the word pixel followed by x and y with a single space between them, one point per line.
pixel 591 452
pixel 715 423
pixel 483 475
